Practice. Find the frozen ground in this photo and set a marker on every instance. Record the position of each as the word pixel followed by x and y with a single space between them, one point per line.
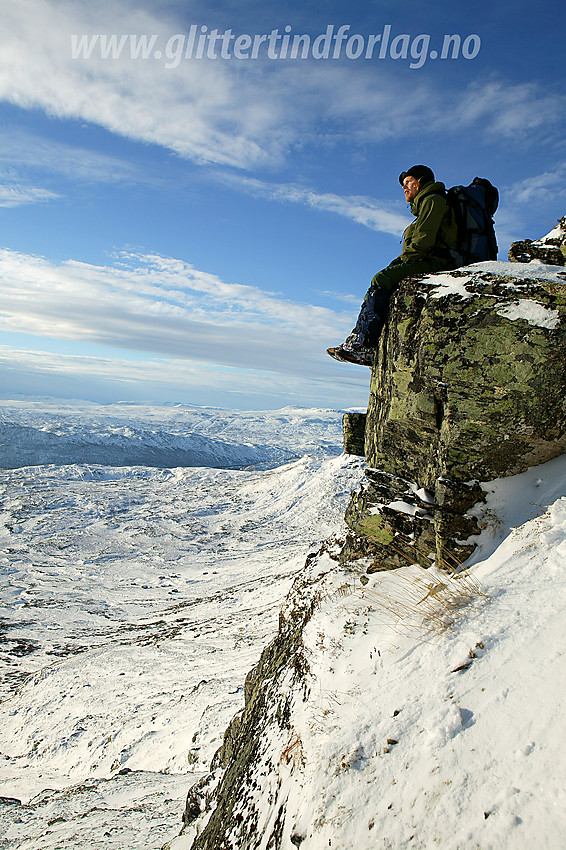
pixel 134 599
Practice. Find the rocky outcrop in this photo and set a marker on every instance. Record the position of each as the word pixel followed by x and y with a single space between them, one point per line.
pixel 469 385
pixel 354 432
pixel 551 249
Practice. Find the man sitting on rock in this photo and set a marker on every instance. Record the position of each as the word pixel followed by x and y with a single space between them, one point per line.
pixel 426 249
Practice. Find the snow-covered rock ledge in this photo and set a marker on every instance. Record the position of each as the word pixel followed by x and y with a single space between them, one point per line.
pixel 551 249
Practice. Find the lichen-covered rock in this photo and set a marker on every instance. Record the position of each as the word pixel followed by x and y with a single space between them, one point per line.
pixel 469 385
pixel 551 249
pixel 354 429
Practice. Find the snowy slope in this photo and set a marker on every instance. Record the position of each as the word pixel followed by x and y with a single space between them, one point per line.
pixel 475 709
pixel 133 602
pixel 434 715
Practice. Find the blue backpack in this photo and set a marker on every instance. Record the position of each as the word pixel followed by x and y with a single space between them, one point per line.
pixel 473 208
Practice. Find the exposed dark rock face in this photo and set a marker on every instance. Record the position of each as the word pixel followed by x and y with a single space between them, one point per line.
pixel 550 249
pixel 469 385
pixel 354 429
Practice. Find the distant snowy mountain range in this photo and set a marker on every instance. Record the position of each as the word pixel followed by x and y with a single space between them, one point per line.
pixel 52 432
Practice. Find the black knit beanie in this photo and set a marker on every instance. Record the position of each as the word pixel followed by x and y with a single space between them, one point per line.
pixel 419 172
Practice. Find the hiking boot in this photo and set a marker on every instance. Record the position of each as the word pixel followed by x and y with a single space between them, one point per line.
pixel 360 355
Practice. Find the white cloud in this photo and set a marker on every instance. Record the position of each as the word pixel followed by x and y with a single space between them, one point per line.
pixel 209 111
pixel 509 110
pixel 529 206
pixel 156 327
pixel 23 153
pixel 39 372
pixel 237 113
pixel 540 188
pixel 382 216
pixel 14 195
pixel 24 156
pixel 346 297
pixel 166 308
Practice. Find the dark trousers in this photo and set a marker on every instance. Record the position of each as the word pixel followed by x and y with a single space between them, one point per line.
pixel 373 312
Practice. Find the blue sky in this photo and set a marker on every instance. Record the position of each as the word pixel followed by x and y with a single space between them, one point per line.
pixel 199 230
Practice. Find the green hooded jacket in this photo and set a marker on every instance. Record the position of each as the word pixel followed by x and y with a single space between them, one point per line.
pixel 433 232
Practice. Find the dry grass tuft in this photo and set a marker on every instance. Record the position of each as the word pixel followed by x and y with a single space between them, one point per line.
pixel 429 599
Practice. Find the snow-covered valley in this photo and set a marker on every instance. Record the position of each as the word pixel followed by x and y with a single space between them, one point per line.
pixel 135 598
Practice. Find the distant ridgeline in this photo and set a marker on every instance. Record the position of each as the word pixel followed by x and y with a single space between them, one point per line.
pixel 468 385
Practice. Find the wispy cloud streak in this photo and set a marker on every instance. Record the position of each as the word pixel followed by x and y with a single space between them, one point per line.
pixel 236 113
pixel 383 216
pixel 167 308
